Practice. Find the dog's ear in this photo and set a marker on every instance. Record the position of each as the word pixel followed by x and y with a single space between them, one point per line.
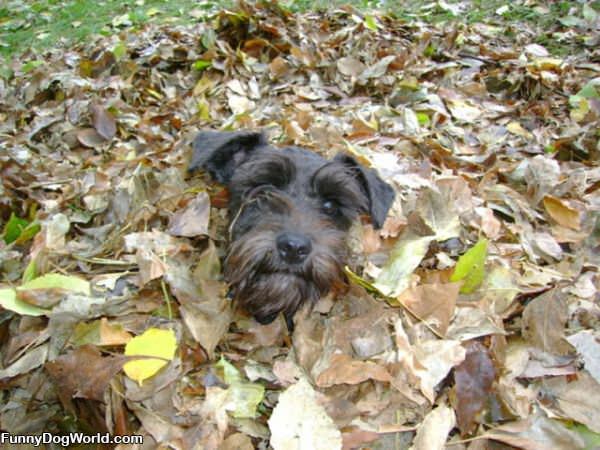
pixel 220 152
pixel 380 194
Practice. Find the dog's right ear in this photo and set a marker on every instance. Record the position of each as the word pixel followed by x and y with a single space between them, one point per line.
pixel 220 152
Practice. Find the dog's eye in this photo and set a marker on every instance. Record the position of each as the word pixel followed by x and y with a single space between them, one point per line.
pixel 330 207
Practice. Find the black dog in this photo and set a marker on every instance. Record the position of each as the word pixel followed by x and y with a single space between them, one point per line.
pixel 289 211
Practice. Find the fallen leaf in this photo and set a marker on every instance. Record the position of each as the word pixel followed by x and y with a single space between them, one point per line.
pixel 473 380
pixel 242 397
pixel 13 228
pixel 9 301
pixel 404 259
pixel 357 438
pixel 58 281
pixel 192 220
pixel 350 66
pixel 470 267
pixel 104 122
pixel 100 333
pixel 89 137
pixel 84 372
pixel 237 441
pixel 299 422
pixel 544 320
pixel 517 129
pixel 587 344
pixel 432 303
pixel 153 342
pixel 433 431
pixel 29 361
pixel 47 290
pixel 436 359
pixel 536 433
pixel 562 213
pixel 463 110
pixel 577 399
pixel 344 370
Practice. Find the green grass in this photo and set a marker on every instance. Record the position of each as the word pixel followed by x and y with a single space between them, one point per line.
pixel 45 24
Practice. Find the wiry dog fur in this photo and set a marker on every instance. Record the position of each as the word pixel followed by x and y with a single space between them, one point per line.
pixel 290 210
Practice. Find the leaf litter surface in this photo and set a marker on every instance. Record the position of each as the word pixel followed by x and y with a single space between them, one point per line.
pixel 473 316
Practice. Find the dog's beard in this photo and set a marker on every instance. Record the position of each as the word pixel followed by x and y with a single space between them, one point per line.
pixel 264 285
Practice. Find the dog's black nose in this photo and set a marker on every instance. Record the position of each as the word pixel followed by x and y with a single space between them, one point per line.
pixel 293 247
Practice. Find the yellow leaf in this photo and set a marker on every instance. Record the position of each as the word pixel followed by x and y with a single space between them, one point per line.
pixel 548 63
pixel 153 342
pixel 562 213
pixel 517 129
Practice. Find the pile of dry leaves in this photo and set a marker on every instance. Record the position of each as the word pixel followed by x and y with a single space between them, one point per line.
pixel 491 144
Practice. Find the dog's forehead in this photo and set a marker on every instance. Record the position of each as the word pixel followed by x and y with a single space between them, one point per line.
pixel 305 161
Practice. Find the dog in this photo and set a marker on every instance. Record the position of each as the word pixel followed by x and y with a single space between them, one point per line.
pixel 289 210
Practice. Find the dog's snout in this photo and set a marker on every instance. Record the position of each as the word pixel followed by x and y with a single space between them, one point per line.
pixel 293 247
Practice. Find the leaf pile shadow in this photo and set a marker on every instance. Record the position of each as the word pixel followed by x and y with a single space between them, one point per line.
pixel 492 145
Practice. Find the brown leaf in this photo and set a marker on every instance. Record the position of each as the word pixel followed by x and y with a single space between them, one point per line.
pixel 536 433
pixel 345 370
pixel 192 220
pixel 84 372
pixel 562 213
pixel 544 321
pixel 104 122
pixel 90 138
pixel 44 298
pixel 350 67
pixel 278 67
pixel 357 438
pixel 577 400
pixel 433 303
pixel 237 441
pixel 473 384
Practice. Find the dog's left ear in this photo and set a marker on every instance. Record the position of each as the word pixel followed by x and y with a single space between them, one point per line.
pixel 220 152
pixel 380 194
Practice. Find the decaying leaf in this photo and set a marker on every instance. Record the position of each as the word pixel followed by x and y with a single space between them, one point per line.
pixel 298 421
pixel 104 122
pixel 84 372
pixel 587 344
pixel 544 322
pixel 193 219
pixel 9 301
pixel 345 370
pixel 473 380
pixel 575 399
pixel 100 333
pixel 404 259
pixel 562 213
pixel 31 360
pixel 242 397
pixel 434 430
pixel 536 433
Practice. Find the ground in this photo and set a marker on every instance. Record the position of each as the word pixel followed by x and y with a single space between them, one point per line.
pixel 471 320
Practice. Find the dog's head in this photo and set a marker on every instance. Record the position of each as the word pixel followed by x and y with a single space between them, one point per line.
pixel 290 210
